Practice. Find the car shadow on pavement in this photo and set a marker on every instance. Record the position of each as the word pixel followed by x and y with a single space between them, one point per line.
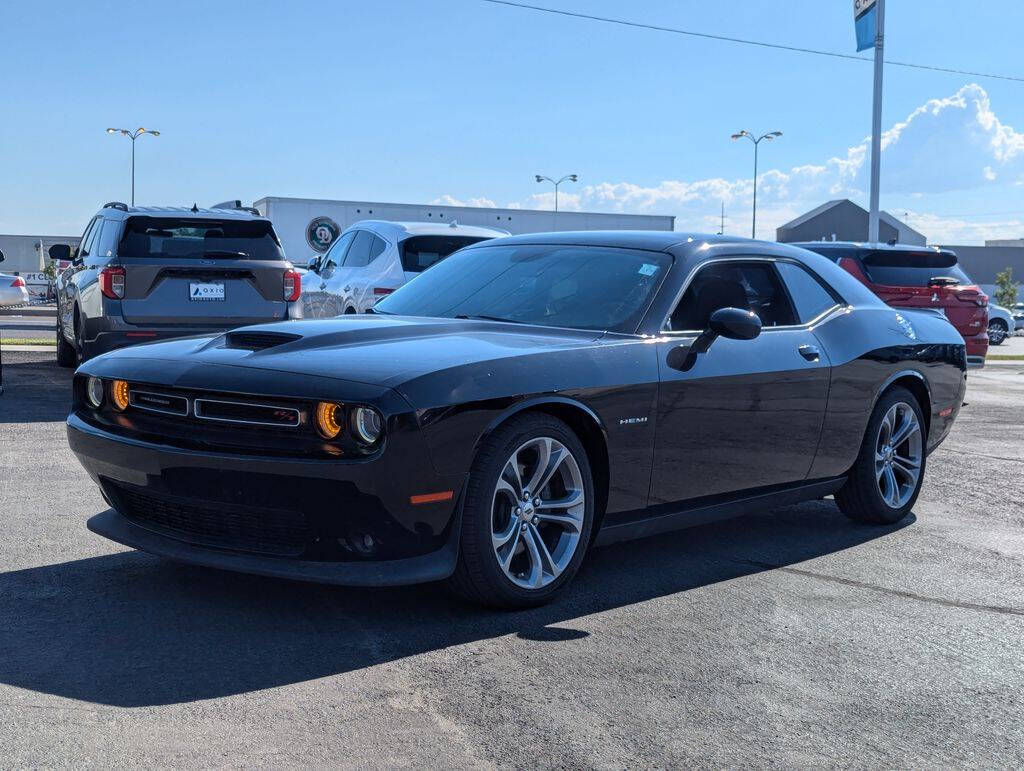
pixel 128 629
pixel 34 391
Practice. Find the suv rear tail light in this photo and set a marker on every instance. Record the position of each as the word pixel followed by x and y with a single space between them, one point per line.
pixel 292 285
pixel 971 294
pixel 112 283
pixel 18 281
pixel 381 291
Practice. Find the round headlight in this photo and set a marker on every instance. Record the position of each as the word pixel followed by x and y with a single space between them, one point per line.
pixel 119 395
pixel 367 424
pixel 94 392
pixel 328 419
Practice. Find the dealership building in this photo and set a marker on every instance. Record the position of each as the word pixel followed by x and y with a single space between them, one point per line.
pixel 307 226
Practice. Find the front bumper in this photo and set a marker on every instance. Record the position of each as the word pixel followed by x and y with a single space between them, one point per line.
pixel 342 522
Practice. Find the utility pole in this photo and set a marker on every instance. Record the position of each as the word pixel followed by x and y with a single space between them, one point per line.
pixel 721 228
pixel 876 124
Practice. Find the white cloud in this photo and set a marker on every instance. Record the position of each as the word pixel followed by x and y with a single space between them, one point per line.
pixel 447 200
pixel 946 145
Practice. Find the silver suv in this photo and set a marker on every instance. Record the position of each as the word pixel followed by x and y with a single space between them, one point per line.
pixel 146 273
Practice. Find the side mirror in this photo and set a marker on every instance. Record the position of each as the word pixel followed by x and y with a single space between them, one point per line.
pixel 734 323
pixel 60 252
pixel 312 264
pixel 731 323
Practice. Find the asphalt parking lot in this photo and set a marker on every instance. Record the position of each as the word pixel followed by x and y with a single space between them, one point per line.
pixel 793 638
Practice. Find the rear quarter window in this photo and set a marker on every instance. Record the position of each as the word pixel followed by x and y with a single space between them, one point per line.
pixel 420 252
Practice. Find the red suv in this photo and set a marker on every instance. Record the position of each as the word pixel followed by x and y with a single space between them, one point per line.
pixel 918 277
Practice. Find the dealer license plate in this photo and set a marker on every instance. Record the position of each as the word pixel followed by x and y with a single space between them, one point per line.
pixel 203 292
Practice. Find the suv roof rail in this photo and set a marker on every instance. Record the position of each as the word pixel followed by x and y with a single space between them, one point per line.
pixel 116 205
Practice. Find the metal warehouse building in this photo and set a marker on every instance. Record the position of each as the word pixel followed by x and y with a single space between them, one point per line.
pixel 843 220
pixel 307 226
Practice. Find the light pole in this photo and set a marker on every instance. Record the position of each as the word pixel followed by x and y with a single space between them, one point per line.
pixel 133 135
pixel 570 177
pixel 769 136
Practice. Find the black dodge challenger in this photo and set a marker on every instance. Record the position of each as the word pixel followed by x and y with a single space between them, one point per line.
pixel 518 403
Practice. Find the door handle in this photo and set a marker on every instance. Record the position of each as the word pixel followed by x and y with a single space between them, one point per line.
pixel 810 352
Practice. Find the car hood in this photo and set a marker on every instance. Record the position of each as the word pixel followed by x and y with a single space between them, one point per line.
pixel 370 349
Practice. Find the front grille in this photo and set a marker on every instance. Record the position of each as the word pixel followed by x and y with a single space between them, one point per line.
pixel 247 412
pixel 274 532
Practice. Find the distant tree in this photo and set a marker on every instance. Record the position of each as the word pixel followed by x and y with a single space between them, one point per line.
pixel 1006 288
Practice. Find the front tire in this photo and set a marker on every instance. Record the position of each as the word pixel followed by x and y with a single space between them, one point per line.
pixel 997 331
pixel 527 514
pixel 886 478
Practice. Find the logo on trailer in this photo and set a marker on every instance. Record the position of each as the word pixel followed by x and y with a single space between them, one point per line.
pixel 321 233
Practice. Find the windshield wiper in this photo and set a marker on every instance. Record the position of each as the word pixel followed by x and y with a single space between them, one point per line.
pixel 220 253
pixel 480 317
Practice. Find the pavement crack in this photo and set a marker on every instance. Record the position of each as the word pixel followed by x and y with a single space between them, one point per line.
pixel 893 592
pixel 981 455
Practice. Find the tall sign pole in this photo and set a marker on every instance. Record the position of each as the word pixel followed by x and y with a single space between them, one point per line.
pixel 869 20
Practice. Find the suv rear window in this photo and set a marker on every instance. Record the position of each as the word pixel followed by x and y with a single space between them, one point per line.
pixel 892 268
pixel 170 238
pixel 420 252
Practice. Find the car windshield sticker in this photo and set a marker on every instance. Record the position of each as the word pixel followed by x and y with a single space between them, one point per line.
pixel 647 269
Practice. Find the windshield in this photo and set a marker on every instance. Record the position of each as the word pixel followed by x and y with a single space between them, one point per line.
pixel 169 238
pixel 892 268
pixel 585 287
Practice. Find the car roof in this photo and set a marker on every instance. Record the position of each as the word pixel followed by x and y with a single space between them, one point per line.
pixel 863 247
pixel 652 240
pixel 115 211
pixel 399 230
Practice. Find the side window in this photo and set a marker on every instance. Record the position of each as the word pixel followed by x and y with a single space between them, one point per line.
pixel 359 253
pixel 336 254
pixel 809 297
pixel 377 248
pixel 753 286
pixel 85 245
pixel 105 243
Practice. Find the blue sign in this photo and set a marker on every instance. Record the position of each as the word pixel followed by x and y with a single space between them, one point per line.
pixel 865 20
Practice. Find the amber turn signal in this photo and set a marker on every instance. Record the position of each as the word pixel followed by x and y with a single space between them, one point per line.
pixel 329 419
pixel 119 395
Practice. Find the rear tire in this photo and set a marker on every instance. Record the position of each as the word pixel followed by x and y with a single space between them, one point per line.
pixel 883 485
pixel 79 342
pixel 997 331
pixel 519 547
pixel 66 355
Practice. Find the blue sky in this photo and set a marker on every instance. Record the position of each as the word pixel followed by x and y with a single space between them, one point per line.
pixel 462 100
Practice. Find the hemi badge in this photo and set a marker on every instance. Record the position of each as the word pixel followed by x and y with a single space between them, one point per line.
pixel 416 500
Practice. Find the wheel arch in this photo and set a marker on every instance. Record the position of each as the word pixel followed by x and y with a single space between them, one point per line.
pixel 587 426
pixel 917 384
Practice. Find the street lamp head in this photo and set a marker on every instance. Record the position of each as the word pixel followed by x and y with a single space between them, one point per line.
pixel 573 177
pixel 155 133
pixel 126 132
pixel 538 177
pixel 111 131
pixel 776 133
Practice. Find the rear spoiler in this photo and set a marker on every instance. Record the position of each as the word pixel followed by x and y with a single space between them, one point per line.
pixel 237 205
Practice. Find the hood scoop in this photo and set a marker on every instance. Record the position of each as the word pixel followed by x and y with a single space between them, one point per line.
pixel 258 341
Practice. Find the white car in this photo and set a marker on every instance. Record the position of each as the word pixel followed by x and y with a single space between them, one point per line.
pixel 12 289
pixel 1001 324
pixel 372 258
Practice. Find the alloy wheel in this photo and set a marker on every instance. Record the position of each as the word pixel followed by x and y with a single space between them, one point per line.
pixel 537 513
pixel 898 455
pixel 996 333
